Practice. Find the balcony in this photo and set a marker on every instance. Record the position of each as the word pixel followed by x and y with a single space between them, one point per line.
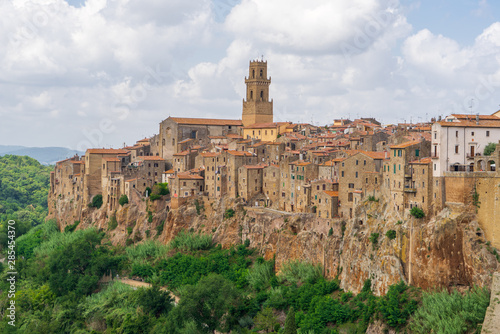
pixel 410 190
pixel 408 175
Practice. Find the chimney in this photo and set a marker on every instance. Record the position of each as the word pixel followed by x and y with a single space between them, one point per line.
pixel 439 118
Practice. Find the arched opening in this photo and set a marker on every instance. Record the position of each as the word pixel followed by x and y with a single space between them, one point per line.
pixel 253 74
pixel 261 95
pixel 491 166
pixel 251 95
pixel 261 73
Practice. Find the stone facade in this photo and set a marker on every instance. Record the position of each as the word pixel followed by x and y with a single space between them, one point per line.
pixel 256 107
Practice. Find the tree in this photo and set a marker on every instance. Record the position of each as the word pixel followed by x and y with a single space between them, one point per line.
pixel 208 303
pixel 490 148
pixel 417 212
pixel 96 201
pixel 266 320
pixel 290 326
pixel 123 200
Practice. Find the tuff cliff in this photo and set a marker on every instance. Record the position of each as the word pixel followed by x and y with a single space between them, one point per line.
pixel 448 250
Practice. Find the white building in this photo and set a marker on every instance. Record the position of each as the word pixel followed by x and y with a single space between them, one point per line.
pixel 458 138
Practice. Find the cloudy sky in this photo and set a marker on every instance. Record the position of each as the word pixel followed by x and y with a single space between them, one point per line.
pixel 100 73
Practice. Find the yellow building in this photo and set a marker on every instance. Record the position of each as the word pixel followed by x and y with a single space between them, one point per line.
pixel 265 131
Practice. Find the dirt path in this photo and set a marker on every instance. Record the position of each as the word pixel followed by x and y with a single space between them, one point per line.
pixel 139 284
pixel 491 323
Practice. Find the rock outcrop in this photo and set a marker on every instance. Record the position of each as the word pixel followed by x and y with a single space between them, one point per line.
pixel 448 250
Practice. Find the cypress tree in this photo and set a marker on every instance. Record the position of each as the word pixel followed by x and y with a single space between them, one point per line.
pixel 290 327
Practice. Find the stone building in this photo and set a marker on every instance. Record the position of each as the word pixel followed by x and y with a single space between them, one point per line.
pixel 256 107
pixel 271 181
pixel 236 159
pixel 250 181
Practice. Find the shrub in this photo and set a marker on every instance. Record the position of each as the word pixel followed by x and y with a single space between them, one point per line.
pixel 129 242
pixel 150 216
pixel 159 228
pixel 442 312
pixel 113 223
pixel 129 230
pixel 374 238
pixel 198 207
pixel 391 234
pixel 259 275
pixel 490 148
pixel 229 213
pixel 72 227
pixel 123 200
pixel 160 189
pixel 396 306
pixel 372 199
pixel 149 249
pixel 330 232
pixel 154 197
pixel 303 272
pixel 190 241
pixel 96 201
pixel 417 212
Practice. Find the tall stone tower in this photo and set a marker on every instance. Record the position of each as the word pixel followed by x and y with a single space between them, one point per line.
pixel 257 108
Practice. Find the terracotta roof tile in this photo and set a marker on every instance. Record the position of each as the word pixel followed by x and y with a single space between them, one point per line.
pixel 206 121
pixel 331 193
pixel 105 151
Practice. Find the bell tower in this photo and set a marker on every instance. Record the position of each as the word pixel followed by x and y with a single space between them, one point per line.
pixel 257 108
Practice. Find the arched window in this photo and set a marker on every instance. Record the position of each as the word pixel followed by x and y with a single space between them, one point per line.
pixel 261 73
pixel 251 95
pixel 253 73
pixel 262 95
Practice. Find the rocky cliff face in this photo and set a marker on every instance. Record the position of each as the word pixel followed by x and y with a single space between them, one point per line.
pixel 448 250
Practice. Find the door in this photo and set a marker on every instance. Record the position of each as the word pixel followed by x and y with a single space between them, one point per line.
pixel 472 151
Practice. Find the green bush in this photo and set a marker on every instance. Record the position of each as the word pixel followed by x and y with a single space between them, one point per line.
pixel 159 228
pixel 490 148
pixel 417 212
pixel 374 238
pixel 229 213
pixel 154 197
pixel 96 201
pixel 372 199
pixel 129 230
pixel 123 200
pixel 391 234
pixel 189 241
pixel 330 232
pixel 442 312
pixel 113 223
pixel 396 306
pixel 147 191
pixel 259 275
pixel 296 272
pixel 70 228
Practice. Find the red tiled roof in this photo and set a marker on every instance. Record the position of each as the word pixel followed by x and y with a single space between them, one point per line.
pixel 150 158
pixel 189 177
pixel 331 193
pixel 423 161
pixel 111 159
pixel 240 153
pixel 406 144
pixel 206 121
pixel 105 151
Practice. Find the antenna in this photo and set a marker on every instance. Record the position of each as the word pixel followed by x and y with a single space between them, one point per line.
pixel 470 107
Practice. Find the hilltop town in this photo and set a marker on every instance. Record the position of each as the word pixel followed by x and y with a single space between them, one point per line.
pixel 327 171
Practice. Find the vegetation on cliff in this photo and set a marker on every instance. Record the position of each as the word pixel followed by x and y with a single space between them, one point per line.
pixel 220 289
pixel 24 186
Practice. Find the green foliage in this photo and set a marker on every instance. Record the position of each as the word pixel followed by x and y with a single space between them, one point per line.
pixel 330 232
pixel 189 241
pixel 260 274
pixel 70 228
pixel 229 213
pixel 475 199
pixel 29 241
pixel 342 228
pixel 198 206
pixel 417 212
pixel 442 312
pixel 123 200
pixel 374 239
pixel 154 197
pixel 129 230
pixel 150 250
pixel 396 306
pixel 266 321
pixel 208 304
pixel 490 148
pixel 147 191
pixel 296 272
pixel 391 234
pixel 24 187
pixel 150 216
pixel 290 326
pixel 112 223
pixel 372 199
pixel 96 201
pixel 159 228
pixel 160 189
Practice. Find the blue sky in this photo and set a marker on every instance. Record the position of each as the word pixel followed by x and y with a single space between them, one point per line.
pixel 68 68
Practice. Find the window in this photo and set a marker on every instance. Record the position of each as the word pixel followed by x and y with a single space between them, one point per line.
pixel 351 185
pixel 435 135
pixel 356 174
pixel 472 133
pixel 265 132
pixel 342 173
pixel 423 184
pixel 366 180
pixel 399 167
pixel 364 162
pixel 356 162
pixel 435 168
pixel 251 95
pixel 184 184
pixel 423 171
pixel 394 168
pixel 487 133
pixel 456 149
pixel 456 134
pixel 417 152
pixel 376 180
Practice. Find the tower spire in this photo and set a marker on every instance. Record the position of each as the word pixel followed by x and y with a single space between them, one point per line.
pixel 256 107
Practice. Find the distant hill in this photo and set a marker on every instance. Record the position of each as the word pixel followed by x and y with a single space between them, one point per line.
pixel 44 155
